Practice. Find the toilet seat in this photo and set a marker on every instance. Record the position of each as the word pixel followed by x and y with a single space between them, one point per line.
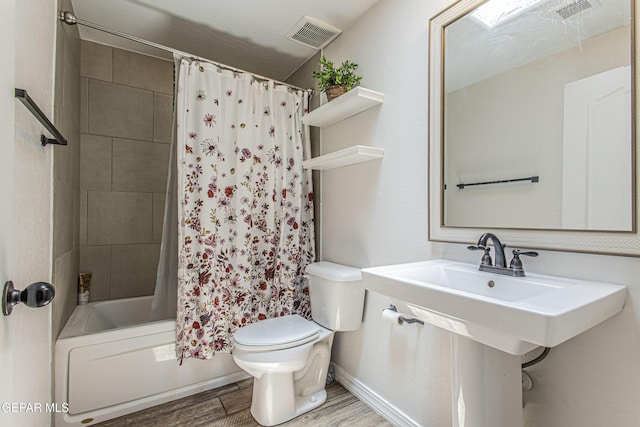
pixel 277 333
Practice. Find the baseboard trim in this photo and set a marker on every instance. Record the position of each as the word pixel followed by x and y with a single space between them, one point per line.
pixel 373 400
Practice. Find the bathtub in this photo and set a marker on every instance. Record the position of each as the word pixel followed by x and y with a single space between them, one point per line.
pixel 111 360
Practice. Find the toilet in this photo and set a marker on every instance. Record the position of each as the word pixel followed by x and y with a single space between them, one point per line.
pixel 289 356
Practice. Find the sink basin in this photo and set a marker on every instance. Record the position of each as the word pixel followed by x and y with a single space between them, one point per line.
pixel 512 314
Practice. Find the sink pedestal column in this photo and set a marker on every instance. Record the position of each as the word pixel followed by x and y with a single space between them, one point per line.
pixel 487 385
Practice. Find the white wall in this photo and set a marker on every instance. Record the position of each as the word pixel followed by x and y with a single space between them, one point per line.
pixel 375 213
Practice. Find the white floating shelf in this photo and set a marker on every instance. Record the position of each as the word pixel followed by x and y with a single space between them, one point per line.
pixel 348 156
pixel 355 101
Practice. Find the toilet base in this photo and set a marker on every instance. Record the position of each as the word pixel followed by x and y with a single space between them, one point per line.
pixel 302 404
pixel 270 407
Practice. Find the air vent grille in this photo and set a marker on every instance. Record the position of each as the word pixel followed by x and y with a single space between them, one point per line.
pixel 572 9
pixel 313 33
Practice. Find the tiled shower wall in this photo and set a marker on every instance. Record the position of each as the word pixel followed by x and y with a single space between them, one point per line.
pixel 66 172
pixel 127 102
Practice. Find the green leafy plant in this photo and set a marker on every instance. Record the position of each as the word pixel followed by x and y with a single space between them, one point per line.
pixel 344 75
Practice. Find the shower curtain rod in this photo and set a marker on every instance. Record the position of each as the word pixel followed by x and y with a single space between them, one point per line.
pixel 70 19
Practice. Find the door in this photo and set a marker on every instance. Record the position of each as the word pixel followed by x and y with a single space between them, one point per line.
pixel 597 161
pixel 7 123
pixel 26 49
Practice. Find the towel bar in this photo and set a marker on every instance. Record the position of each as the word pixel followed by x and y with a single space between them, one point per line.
pixel 58 139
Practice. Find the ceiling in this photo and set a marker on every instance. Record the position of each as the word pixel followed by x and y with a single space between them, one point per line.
pixel 475 52
pixel 247 34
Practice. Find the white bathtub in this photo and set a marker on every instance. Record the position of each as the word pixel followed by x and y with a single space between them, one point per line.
pixel 111 360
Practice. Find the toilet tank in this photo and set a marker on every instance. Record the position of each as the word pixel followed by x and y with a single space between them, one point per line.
pixel 337 295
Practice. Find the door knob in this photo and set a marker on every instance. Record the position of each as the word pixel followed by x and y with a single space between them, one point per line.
pixel 35 295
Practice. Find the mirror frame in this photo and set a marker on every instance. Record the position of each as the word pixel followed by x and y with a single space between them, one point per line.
pixel 599 242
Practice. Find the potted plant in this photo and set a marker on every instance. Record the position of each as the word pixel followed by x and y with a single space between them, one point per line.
pixel 336 81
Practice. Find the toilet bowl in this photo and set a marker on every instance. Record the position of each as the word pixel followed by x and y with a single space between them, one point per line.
pixel 289 356
pixel 289 373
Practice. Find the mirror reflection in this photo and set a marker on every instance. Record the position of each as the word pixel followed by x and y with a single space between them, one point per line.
pixel 538 94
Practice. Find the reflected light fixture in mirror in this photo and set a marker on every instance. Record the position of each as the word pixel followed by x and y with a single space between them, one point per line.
pixel 495 12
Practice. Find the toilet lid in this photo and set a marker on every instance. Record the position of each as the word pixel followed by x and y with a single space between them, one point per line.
pixel 277 333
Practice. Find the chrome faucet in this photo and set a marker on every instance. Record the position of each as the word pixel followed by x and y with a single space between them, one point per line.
pixel 486 264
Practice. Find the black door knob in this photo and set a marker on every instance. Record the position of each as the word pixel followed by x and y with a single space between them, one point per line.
pixel 35 295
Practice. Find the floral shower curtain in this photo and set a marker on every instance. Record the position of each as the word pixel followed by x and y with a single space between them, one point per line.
pixel 245 231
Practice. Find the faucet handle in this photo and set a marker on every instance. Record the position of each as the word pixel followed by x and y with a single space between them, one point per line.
pixel 518 252
pixel 516 263
pixel 486 258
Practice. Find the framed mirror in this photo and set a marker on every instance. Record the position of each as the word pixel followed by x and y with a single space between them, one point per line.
pixel 532 124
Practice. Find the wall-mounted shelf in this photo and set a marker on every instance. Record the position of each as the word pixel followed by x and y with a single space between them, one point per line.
pixel 348 156
pixel 355 101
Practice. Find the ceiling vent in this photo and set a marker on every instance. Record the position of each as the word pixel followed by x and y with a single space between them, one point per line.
pixel 313 33
pixel 572 9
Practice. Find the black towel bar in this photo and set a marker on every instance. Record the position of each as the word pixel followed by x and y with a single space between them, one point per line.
pixel 529 178
pixel 58 139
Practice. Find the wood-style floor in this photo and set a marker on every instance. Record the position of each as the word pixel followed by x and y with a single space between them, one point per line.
pixel 229 406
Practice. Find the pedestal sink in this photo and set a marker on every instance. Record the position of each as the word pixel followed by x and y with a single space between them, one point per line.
pixel 494 319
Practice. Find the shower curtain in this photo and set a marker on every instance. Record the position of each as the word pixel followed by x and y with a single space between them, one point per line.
pixel 164 305
pixel 245 206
